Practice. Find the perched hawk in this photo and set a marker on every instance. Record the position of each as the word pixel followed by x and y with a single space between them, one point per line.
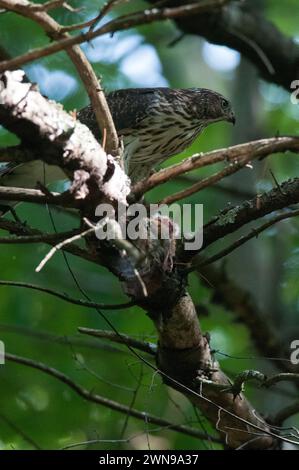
pixel 154 123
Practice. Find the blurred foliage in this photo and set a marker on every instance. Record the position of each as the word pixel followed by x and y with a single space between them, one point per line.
pixel 47 411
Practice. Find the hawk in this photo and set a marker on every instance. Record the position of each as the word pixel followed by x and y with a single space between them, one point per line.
pixel 154 124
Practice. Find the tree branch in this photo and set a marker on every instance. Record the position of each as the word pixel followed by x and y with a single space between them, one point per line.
pixel 66 297
pixel 184 355
pixel 24 230
pixel 36 196
pixel 252 234
pixel 238 156
pixel 144 346
pixel 283 377
pixel 232 219
pixel 49 131
pixel 64 340
pixel 45 237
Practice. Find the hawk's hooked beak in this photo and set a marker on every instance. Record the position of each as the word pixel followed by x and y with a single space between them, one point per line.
pixel 232 118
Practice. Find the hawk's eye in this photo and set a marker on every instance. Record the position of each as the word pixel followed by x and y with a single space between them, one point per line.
pixel 224 104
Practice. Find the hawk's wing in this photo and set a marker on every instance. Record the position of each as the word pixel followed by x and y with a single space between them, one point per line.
pixel 128 108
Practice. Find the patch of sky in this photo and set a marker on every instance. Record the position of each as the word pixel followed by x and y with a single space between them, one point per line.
pixel 55 84
pixel 220 58
pixel 137 61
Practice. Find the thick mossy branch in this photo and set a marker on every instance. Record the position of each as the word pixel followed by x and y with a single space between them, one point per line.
pixel 59 139
pixel 232 219
pixel 184 354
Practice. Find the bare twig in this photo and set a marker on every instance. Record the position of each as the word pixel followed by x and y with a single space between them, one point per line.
pixel 64 340
pixel 252 234
pixel 66 297
pixel 76 26
pixel 93 22
pixel 60 245
pixel 104 10
pixel 44 238
pixel 144 346
pixel 36 196
pixel 283 377
pixel 228 189
pixel 238 385
pixel 206 182
pixel 23 230
pixel 50 5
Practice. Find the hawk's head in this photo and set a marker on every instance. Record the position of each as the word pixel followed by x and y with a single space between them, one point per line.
pixel 211 106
